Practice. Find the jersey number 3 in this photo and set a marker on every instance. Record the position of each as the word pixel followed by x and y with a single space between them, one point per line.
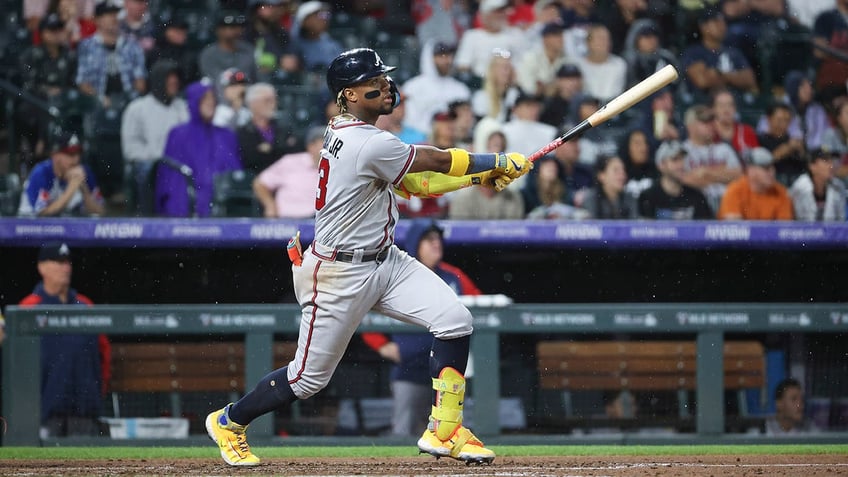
pixel 323 175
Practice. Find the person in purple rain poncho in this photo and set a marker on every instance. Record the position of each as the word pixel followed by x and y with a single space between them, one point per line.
pixel 207 149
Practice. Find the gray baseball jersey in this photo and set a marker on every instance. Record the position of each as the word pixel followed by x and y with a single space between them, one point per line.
pixel 356 217
pixel 359 163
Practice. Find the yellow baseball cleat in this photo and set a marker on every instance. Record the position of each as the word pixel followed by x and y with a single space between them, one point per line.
pixel 231 438
pixel 462 445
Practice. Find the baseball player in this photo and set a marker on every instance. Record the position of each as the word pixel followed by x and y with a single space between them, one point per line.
pixel 353 266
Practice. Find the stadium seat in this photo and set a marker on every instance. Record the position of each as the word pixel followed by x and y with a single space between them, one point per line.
pixel 233 195
pixel 103 145
pixel 362 27
pixel 300 105
pixel 198 14
pixel 12 42
pixel 781 51
pixel 72 106
pixel 403 51
pixel 10 194
pixel 140 188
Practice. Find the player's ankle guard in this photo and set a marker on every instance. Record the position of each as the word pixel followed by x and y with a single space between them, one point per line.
pixel 450 396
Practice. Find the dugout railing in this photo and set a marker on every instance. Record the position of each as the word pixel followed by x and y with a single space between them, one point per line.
pixel 708 323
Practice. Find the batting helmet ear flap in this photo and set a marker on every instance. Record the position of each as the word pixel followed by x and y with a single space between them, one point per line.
pixel 395 92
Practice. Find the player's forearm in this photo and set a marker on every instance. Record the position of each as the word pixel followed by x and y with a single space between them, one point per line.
pixel 429 158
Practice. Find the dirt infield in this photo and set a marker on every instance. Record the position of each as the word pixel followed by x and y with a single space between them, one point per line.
pixel 696 466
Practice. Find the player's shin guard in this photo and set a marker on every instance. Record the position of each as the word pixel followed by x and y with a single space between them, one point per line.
pixel 446 415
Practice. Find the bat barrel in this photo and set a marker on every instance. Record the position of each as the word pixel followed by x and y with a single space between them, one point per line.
pixel 638 92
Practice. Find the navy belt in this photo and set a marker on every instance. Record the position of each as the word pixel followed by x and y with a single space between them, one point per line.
pixel 369 257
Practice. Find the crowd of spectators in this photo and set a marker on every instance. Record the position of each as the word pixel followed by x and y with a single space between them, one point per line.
pixel 752 130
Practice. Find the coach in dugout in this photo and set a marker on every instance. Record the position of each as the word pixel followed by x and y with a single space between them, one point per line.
pixel 74 368
pixel 61 185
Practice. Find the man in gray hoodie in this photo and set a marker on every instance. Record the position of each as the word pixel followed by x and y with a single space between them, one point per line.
pixel 148 119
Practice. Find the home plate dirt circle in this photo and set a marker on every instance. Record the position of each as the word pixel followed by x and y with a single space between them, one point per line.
pixel 504 466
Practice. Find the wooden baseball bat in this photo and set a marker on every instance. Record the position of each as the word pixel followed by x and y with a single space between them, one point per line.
pixel 638 92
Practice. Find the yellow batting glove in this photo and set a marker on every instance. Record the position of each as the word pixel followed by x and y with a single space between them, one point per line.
pixel 500 182
pixel 513 164
pixel 491 179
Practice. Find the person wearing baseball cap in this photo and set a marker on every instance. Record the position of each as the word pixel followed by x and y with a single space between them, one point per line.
pixel 493 36
pixel 229 49
pixel 137 23
pixel 311 34
pixel 231 112
pixel 669 198
pixel 61 185
pixel 275 49
pixel 74 367
pixel 756 195
pixel 110 46
pixel 711 63
pixel 50 71
pixel 568 85
pixel 172 44
pixel 818 195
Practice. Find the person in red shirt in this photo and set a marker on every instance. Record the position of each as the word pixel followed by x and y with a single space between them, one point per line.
pixel 410 352
pixel 756 195
pixel 75 369
pixel 76 23
pixel 728 128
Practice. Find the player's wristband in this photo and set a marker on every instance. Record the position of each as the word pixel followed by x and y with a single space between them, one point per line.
pixel 460 160
pixel 464 162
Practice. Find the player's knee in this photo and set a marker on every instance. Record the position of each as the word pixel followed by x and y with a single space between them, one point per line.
pixel 306 387
pixel 456 324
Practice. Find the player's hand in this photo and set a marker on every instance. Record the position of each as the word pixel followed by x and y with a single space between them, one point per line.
pixel 513 164
pixel 495 180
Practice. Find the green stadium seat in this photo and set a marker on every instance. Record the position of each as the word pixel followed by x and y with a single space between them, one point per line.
pixel 406 60
pixel 300 105
pixel 10 194
pixel 233 195
pixel 140 187
pixel 353 31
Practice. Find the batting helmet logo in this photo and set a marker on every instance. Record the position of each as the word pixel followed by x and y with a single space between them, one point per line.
pixel 354 66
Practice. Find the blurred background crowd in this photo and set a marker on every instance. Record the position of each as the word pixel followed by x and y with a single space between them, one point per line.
pixel 216 107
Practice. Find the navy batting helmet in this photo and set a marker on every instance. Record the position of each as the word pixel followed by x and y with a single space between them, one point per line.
pixel 354 66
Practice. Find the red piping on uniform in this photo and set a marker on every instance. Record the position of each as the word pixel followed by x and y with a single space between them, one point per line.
pixel 331 258
pixel 311 323
pixel 389 222
pixel 406 166
pixel 360 123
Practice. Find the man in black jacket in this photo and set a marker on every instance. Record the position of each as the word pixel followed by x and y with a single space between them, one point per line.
pixel 669 198
pixel 172 44
pixel 264 139
pixel 47 71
